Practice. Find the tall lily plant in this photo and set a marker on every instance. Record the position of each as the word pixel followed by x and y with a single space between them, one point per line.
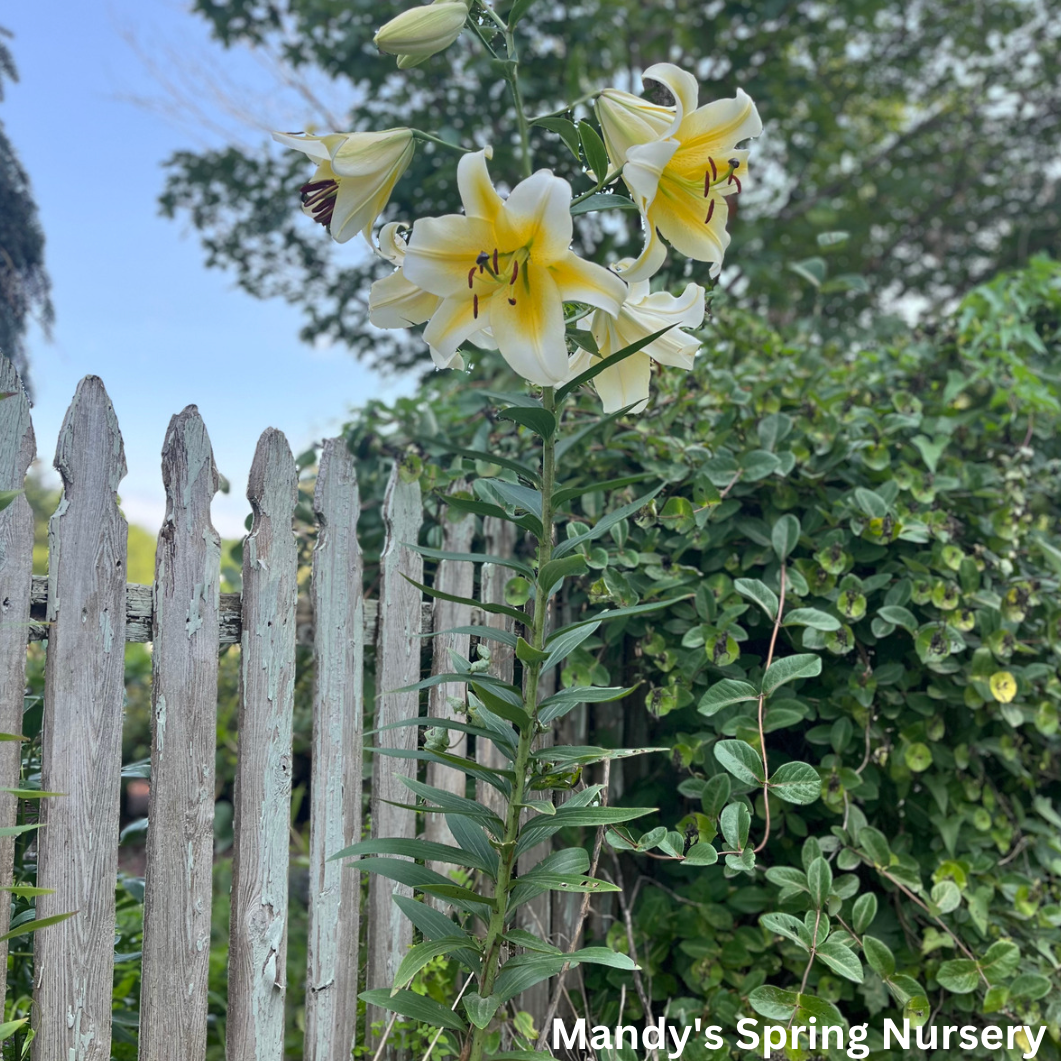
pixel 500 278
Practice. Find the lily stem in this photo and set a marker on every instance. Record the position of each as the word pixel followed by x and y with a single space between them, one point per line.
pixel 506 860
pixel 419 134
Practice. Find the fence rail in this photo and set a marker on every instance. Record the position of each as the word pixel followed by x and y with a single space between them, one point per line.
pixel 85 610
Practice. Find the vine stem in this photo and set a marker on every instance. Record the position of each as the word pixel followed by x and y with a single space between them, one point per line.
pixel 506 859
pixel 762 702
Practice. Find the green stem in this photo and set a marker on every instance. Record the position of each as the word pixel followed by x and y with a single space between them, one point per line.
pixel 569 107
pixel 506 861
pixel 419 134
pixel 479 33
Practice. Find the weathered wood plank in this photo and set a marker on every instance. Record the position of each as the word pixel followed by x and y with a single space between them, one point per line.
pixel 500 540
pixel 258 932
pixel 138 615
pixel 397 665
pixel 456 577
pixel 17 449
pixel 81 745
pixel 180 841
pixel 335 812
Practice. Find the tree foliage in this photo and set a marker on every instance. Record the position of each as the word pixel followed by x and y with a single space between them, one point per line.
pixel 908 147
pixel 24 284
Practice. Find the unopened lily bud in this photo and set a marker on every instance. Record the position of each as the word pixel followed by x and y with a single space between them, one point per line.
pixel 420 32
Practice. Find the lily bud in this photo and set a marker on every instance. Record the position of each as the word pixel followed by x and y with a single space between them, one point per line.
pixel 420 32
pixel 355 176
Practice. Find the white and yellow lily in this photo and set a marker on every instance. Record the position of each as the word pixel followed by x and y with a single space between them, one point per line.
pixel 679 173
pixel 420 32
pixel 642 313
pixel 356 173
pixel 506 265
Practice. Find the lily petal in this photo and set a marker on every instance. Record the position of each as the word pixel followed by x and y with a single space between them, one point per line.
pixel 580 281
pixel 625 383
pixel 530 332
pixel 442 249
pixel 393 302
pixel 723 123
pixel 680 216
pixel 451 324
pixel 681 85
pixel 538 214
pixel 476 189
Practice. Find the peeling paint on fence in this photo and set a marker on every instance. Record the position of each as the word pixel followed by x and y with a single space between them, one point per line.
pixel 17 450
pixel 262 803
pixel 335 799
pixel 81 737
pixel 178 881
pixel 398 664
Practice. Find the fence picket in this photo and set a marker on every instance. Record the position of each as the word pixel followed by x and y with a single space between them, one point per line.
pixel 456 577
pixel 180 841
pixel 262 802
pixel 81 743
pixel 335 811
pixel 17 449
pixel 397 665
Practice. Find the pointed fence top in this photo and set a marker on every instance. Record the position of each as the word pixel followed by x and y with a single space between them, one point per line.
pixel 188 465
pixel 17 444
pixel 90 449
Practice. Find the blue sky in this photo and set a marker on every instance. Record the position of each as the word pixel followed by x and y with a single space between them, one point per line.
pixel 107 91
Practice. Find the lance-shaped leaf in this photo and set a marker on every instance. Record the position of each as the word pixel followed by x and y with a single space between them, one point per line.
pixel 417 957
pixel 453 804
pixel 524 497
pixel 560 496
pixel 485 456
pixel 501 780
pixel 555 570
pixel 560 703
pixel 561 645
pixel 473 558
pixel 434 924
pixel 572 755
pixel 605 523
pixel 33 926
pixel 539 420
pixel 415 1007
pixel 415 848
pixel 504 740
pixel 608 362
pixel 496 609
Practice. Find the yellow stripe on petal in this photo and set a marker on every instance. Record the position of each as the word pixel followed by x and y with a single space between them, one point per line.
pixel 580 281
pixel 680 215
pixel 476 189
pixel 722 124
pixel 451 324
pixel 537 215
pixel 527 320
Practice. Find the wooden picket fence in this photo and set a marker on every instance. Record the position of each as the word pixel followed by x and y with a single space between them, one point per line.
pixel 85 611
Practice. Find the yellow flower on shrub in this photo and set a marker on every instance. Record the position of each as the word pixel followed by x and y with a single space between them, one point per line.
pixel 641 314
pixel 680 174
pixel 355 176
pixel 420 32
pixel 1003 686
pixel 506 265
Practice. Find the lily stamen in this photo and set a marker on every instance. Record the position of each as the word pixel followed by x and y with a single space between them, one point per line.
pixel 319 198
pixel 475 307
pixel 495 261
pixel 710 212
pixel 515 271
pixel 471 277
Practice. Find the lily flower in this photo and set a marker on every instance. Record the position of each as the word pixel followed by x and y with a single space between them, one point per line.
pixel 355 176
pixel 642 313
pixel 681 177
pixel 394 302
pixel 505 265
pixel 420 32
